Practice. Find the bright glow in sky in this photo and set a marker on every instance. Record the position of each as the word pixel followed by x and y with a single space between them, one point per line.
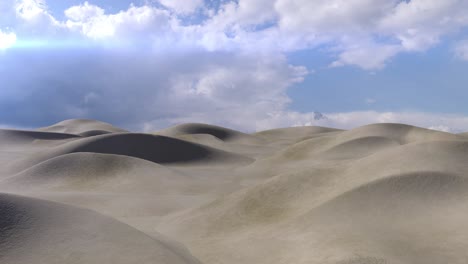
pixel 7 40
pixel 246 64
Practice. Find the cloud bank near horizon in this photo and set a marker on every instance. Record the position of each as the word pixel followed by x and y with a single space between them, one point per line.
pixel 167 62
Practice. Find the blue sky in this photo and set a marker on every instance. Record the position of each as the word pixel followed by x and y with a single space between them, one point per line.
pixel 245 64
pixel 431 81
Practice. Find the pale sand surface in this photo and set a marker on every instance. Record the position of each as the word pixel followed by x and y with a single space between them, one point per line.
pixel 83 191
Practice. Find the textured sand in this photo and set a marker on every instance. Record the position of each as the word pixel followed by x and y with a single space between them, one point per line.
pixel 83 191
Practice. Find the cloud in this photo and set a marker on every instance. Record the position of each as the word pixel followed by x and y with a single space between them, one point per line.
pixel 34 12
pixel 419 24
pixel 182 6
pixel 147 67
pixel 461 50
pixel 246 14
pixel 366 55
pixel 30 20
pixel 348 120
pixel 154 77
pixel 363 33
pixel 367 33
pixel 84 12
pixel 143 21
pixel 137 89
pixel 331 16
pixel 7 40
pixel 348 27
pixel 238 94
pixel 31 9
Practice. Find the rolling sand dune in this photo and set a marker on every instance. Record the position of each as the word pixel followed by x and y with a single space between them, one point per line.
pixel 35 231
pixel 221 133
pixel 79 126
pixel 83 191
pixel 295 133
pixel 91 133
pixel 90 171
pixel 21 136
pixel 221 138
pixel 158 149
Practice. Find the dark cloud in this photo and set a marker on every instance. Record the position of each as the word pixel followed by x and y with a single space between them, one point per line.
pixel 132 87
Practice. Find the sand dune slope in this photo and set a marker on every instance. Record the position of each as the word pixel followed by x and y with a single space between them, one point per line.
pixel 94 171
pixel 91 133
pixel 221 133
pixel 383 205
pixel 295 133
pixel 36 231
pixel 219 137
pixel 400 132
pixel 405 218
pixel 22 136
pixel 158 149
pixel 79 126
pixel 376 194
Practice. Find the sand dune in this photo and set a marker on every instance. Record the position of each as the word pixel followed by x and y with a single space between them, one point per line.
pixel 79 126
pixel 219 137
pixel 19 136
pixel 400 132
pixel 91 171
pixel 158 149
pixel 91 133
pixel 221 133
pixel 111 174
pixel 381 193
pixel 295 133
pixel 35 231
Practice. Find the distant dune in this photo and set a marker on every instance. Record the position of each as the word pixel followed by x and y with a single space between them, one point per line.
pixel 84 191
pixel 221 133
pixel 80 126
pixel 18 136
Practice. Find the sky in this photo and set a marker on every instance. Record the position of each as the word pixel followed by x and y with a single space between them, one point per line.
pixel 246 64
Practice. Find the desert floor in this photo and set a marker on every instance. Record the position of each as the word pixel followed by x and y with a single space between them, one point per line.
pixel 84 191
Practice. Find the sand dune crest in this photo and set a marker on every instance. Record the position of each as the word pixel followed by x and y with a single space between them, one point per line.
pixel 78 126
pixel 18 136
pixel 158 149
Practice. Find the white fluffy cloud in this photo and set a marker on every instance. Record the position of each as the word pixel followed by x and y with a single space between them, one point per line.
pixel 34 12
pixel 154 67
pixel 367 55
pixel 91 21
pixel 364 33
pixel 239 92
pixel 7 40
pixel 392 26
pixel 331 16
pixel 30 9
pixel 84 12
pixel 419 24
